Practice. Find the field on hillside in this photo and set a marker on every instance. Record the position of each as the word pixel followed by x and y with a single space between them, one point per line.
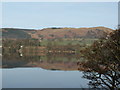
pixel 63 42
pixel 38 47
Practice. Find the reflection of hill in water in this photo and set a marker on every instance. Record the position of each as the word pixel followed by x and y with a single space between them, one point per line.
pixel 53 62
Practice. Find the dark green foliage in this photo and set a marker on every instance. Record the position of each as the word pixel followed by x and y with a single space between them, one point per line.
pixel 56 28
pixel 15 33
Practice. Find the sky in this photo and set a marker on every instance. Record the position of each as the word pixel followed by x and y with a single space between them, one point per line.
pixel 37 15
pixel 119 14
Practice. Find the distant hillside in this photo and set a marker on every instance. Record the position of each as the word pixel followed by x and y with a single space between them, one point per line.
pixel 56 33
pixel 52 33
pixel 15 33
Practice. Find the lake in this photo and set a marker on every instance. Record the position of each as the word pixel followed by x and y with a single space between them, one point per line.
pixel 44 71
pixel 54 71
pixel 41 78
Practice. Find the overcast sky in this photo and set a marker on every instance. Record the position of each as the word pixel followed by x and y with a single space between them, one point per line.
pixel 59 14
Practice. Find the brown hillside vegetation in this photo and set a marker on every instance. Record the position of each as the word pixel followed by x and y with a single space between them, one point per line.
pixel 50 33
pixel 56 33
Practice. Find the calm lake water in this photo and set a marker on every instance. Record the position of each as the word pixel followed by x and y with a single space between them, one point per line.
pixel 41 78
pixel 45 71
pixel 53 71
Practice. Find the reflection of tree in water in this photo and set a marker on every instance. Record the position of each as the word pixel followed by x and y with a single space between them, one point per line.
pixel 103 62
pixel 107 80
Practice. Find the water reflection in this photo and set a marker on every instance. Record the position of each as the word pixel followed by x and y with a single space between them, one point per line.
pixel 49 61
pixel 102 75
pixel 109 80
pixel 99 76
pixel 41 78
pixel 61 71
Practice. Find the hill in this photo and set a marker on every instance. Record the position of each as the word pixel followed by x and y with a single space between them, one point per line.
pixel 15 33
pixel 56 33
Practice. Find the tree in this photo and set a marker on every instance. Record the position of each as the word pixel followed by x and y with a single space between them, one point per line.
pixel 103 62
